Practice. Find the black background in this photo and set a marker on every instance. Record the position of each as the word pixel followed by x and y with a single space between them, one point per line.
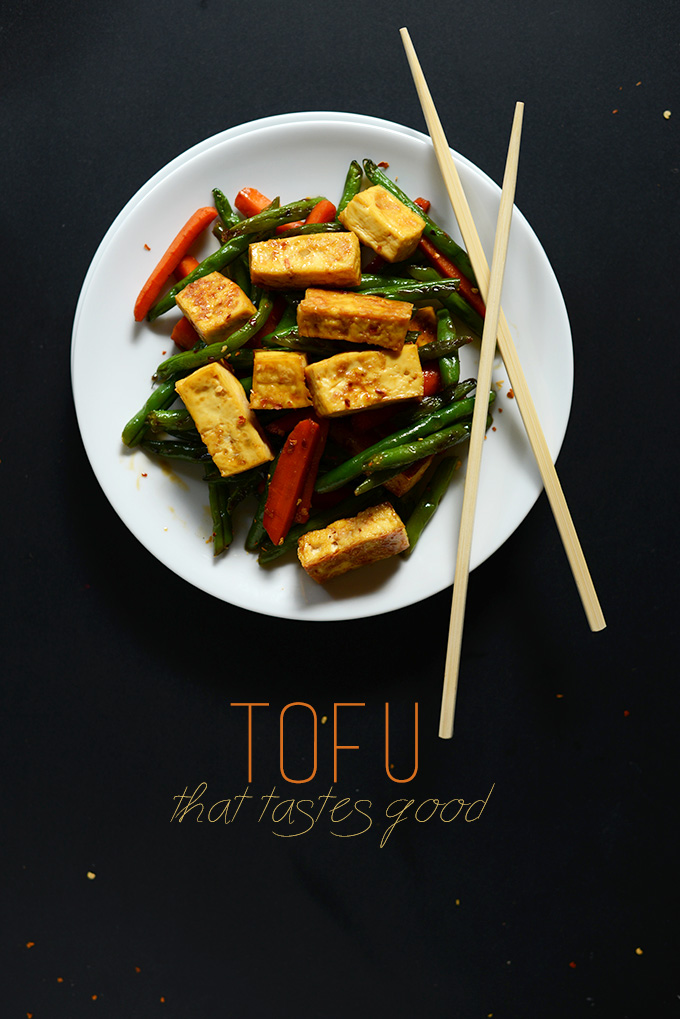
pixel 118 676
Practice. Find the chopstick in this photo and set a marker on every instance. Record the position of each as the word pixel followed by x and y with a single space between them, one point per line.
pixel 507 348
pixel 478 430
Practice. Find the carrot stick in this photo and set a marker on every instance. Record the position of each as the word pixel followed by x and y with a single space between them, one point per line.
pixel 184 334
pixel 432 381
pixel 323 212
pixel 250 201
pixel 305 503
pixel 187 265
pixel 154 286
pixel 287 483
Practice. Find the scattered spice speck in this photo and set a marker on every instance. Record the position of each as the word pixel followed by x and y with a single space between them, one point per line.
pixel 458 902
pixel 637 83
pixel 30 944
pixel 147 248
pixel 163 1000
pixel 137 969
pixel 94 997
pixel 626 712
pixel 559 696
pixel 511 395
pixel 91 875
pixel 615 111
pixel 638 951
pixel 144 474
pixel 667 114
pixel 60 980
pixel 324 719
pixel 572 965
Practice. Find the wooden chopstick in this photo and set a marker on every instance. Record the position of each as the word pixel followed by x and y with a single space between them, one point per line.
pixel 478 431
pixel 507 348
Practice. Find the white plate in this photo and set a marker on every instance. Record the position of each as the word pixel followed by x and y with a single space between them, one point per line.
pixel 113 359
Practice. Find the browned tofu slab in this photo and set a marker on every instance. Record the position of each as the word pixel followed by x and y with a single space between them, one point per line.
pixel 355 318
pixel 332 259
pixel 356 380
pixel 279 380
pixel 374 534
pixel 383 223
pixel 219 408
pixel 215 306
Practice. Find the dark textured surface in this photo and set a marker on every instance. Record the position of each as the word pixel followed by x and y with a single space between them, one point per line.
pixel 109 712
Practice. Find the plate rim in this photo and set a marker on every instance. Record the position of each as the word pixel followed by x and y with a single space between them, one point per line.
pixel 327 118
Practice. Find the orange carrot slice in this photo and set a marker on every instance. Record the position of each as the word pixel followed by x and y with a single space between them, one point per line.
pixel 154 286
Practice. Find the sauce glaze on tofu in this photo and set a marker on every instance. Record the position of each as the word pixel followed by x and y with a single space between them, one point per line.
pixel 355 318
pixel 215 306
pixel 219 408
pixel 332 259
pixel 373 534
pixel 356 380
pixel 383 223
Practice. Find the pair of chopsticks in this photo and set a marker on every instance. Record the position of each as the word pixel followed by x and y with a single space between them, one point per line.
pixel 496 330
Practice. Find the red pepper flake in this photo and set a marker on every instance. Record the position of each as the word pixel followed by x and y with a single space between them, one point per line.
pixel 559 695
pixel 493 428
pixel 511 395
pixel 615 111
pixel 60 980
pixel 137 969
pixel 572 965
pixel 383 164
pixel 147 248
pixel 94 997
pixel 30 944
pixel 163 1000
pixel 144 474
pixel 626 712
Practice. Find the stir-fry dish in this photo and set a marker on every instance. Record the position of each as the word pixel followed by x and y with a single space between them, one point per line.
pixel 317 378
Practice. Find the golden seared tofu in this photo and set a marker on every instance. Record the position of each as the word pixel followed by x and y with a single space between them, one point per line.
pixel 215 306
pixel 374 534
pixel 383 223
pixel 356 380
pixel 317 260
pixel 279 380
pixel 424 322
pixel 219 408
pixel 356 318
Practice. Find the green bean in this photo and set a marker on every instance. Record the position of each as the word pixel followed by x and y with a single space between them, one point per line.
pixel 223 532
pixel 161 398
pixel 213 263
pixel 439 237
pixel 291 340
pixel 449 364
pixel 256 533
pixel 433 493
pixel 272 217
pixel 189 451
pixel 444 347
pixel 162 420
pixel 445 416
pixel 456 304
pixel 303 229
pixel 224 210
pixel 408 290
pixel 352 184
pixel 191 359
pixel 399 457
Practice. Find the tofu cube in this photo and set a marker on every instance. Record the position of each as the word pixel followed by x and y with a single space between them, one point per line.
pixel 356 318
pixel 424 322
pixel 383 223
pixel 215 306
pixel 374 534
pixel 316 260
pixel 356 380
pixel 279 380
pixel 219 408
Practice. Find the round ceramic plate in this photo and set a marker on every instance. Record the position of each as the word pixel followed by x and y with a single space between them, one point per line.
pixel 167 510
